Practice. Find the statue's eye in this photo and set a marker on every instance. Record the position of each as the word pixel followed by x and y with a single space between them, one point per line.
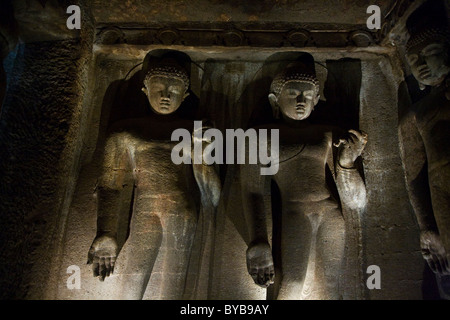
pixel 293 93
pixel 175 90
pixel 156 88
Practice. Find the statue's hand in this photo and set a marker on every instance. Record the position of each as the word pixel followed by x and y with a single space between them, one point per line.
pixel 434 252
pixel 260 264
pixel 102 255
pixel 350 147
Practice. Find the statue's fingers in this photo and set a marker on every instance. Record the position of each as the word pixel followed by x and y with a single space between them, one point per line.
pixel 113 262
pixel 358 135
pixel 437 264
pixel 441 264
pixel 95 269
pixel 91 255
pixel 254 276
pixel 269 277
pixel 431 264
pixel 340 142
pixel 355 133
pixel 108 266
pixel 102 269
pixel 261 277
pixel 447 264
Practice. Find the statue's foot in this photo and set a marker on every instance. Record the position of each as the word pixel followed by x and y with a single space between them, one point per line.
pixel 260 264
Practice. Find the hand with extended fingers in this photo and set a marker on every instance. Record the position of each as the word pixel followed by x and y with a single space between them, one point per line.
pixel 350 147
pixel 102 255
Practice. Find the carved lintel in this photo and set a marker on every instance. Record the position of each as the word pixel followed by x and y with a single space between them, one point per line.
pixel 298 38
pixel 271 36
pixel 110 36
pixel 361 38
pixel 168 36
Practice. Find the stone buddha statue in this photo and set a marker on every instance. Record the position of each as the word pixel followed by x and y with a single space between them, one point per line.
pixel 425 133
pixel 164 199
pixel 310 223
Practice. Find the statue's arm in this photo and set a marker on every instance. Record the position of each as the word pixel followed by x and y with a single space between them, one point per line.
pixel 114 184
pixel 412 152
pixel 350 184
pixel 114 187
pixel 206 175
pixel 208 181
pixel 259 254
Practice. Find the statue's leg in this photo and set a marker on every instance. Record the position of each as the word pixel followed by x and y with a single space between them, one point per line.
pixel 136 260
pixel 329 255
pixel 295 246
pixel 169 278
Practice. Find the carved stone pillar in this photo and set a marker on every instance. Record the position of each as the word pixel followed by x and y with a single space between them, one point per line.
pixel 40 138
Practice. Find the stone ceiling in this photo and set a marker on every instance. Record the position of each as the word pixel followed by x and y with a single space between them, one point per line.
pixel 338 12
pixel 257 23
pixel 260 23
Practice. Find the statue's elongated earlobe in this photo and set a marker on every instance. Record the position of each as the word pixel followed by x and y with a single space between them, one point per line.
pixel 275 107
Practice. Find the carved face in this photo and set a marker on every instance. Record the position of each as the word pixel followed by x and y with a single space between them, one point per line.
pixel 297 99
pixel 429 64
pixel 165 94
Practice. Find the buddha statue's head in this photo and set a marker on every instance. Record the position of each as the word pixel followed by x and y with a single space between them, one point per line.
pixel 427 50
pixel 295 91
pixel 166 86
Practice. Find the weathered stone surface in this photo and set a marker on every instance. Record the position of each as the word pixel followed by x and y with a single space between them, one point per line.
pixel 62 91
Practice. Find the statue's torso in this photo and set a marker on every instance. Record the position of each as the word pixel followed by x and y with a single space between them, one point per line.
pixel 303 157
pixel 160 185
pixel 433 121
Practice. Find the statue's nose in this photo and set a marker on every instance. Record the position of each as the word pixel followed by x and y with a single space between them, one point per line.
pixel 165 94
pixel 301 98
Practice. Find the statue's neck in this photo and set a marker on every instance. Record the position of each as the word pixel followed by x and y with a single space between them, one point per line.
pixel 295 123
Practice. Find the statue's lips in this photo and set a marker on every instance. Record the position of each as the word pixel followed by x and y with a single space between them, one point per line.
pixel 300 108
pixel 164 105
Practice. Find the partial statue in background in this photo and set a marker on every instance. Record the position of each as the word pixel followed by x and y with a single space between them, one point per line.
pixel 312 229
pixel 425 132
pixel 164 198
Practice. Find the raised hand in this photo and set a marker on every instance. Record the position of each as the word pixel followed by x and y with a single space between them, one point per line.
pixel 102 255
pixel 350 147
pixel 434 252
pixel 260 264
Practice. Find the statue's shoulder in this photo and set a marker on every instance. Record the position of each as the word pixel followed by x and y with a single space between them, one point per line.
pixel 431 106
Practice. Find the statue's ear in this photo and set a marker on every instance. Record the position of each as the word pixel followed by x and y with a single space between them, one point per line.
pixel 273 100
pixel 274 103
pixel 185 95
pixel 144 90
pixel 422 86
pixel 316 99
